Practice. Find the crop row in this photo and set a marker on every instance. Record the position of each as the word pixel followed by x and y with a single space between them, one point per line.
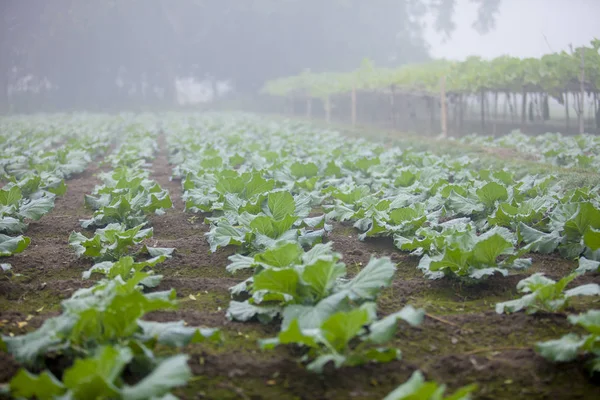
pixel 109 348
pixel 274 190
pixel 36 161
pixel 581 151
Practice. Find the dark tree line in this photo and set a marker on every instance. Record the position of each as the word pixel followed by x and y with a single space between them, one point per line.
pixel 82 46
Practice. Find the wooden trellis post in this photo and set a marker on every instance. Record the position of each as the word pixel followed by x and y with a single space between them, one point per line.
pixel 567 111
pixel 581 103
pixel 524 108
pixel 482 112
pixel 443 111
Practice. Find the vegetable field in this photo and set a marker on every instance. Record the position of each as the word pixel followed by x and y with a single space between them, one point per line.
pixel 231 256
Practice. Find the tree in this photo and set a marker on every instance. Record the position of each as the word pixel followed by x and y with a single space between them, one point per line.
pixel 83 47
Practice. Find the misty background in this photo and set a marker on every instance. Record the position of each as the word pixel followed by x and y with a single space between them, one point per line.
pixel 64 55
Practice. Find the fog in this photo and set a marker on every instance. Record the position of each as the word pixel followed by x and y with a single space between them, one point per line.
pixel 159 54
pixel 523 28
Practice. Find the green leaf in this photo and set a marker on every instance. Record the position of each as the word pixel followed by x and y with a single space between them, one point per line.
pixel 463 205
pixel 95 377
pixel 586 265
pixel 368 282
pixel 490 193
pixel 319 363
pixel 35 209
pixel 258 185
pixel 230 185
pixel 10 197
pixel 224 235
pixel 11 225
pixel 516 305
pixel 341 327
pixel 590 289
pixel 27 348
pixel 43 386
pixel 318 252
pixel 383 330
pixel 292 334
pixel 405 178
pixel 244 311
pixel 282 281
pixel 282 256
pixel 591 238
pixel 563 349
pixel 486 251
pixel 590 320
pixel 377 355
pixel 312 317
pixel 304 170
pixel 409 389
pixel 586 217
pixel 12 245
pixel 416 388
pixel 281 204
pixel 170 373
pixel 239 262
pixel 540 242
pixel 322 275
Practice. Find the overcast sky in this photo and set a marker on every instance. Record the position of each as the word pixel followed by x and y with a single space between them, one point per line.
pixel 520 29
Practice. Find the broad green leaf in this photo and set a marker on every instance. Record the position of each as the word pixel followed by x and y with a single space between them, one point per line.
pixel 282 256
pixel 293 334
pixel 586 265
pixel 490 193
pixel 281 204
pixel 516 305
pixel 383 330
pixel 367 284
pixel 591 238
pixel 35 209
pixel 563 349
pixel 590 320
pixel 540 242
pixel 11 225
pixel 43 386
pixel 230 185
pixel 319 363
pixel 405 178
pixel 486 251
pixel 224 235
pixel 312 317
pixel 341 327
pixel 320 251
pixel 591 289
pixel 95 377
pixel 586 217
pixel 10 197
pixel 244 311
pixel 258 185
pixel 12 245
pixel 304 170
pixel 239 262
pixel 463 205
pixel 282 281
pixel 27 348
pixel 409 388
pixel 322 275
pixel 170 373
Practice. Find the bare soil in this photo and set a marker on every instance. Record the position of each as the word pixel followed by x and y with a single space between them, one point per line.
pixel 462 340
